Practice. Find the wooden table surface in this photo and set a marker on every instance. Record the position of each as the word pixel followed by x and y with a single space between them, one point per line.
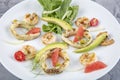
pixel 112 5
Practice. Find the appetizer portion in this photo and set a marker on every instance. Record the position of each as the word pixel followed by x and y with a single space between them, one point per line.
pixel 48 47
pixel 88 58
pixel 27 52
pixel 102 36
pixel 29 23
pixel 58 67
pixel 82 37
pixel 53 51
pixel 86 22
pixel 32 33
pixel 91 63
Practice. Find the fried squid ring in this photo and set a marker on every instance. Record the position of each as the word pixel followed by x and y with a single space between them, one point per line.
pixel 58 69
pixel 22 24
pixel 31 19
pixel 87 38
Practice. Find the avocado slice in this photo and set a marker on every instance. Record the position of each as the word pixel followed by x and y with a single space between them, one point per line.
pixel 61 45
pixel 59 22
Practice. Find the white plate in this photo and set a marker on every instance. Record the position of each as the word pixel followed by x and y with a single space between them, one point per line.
pixel 109 55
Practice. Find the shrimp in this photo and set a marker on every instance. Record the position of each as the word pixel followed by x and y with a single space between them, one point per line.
pixel 48 38
pixel 83 21
pixel 29 52
pixel 88 58
pixel 31 19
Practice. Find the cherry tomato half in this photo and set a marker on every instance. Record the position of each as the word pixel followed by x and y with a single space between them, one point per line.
pixel 19 56
pixel 94 22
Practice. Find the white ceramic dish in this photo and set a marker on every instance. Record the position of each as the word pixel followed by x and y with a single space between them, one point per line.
pixel 109 55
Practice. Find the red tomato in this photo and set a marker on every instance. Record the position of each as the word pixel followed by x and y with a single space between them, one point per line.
pixel 55 56
pixel 94 22
pixel 95 66
pixel 79 34
pixel 19 56
pixel 33 31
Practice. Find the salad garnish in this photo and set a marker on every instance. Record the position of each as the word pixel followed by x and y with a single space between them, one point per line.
pixel 59 9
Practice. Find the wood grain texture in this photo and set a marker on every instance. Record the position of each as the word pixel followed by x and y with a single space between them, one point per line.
pixel 112 5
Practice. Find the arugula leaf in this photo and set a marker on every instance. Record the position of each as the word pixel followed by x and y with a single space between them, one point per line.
pixel 71 14
pixel 49 5
pixel 74 12
pixel 63 9
pixel 46 28
pixel 45 4
pixel 52 28
pixel 60 9
pixel 58 29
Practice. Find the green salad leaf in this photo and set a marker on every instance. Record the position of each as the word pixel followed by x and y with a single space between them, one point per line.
pixel 74 12
pixel 49 5
pixel 64 8
pixel 71 14
pixel 52 28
